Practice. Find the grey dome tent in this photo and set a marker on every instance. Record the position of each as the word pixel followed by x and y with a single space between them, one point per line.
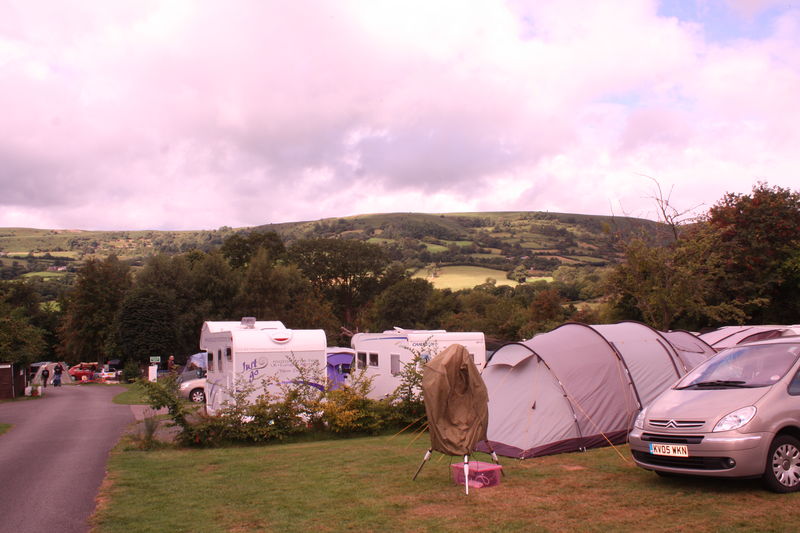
pixel 728 336
pixel 578 386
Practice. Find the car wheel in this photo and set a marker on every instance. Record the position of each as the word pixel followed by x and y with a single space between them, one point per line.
pixel 198 396
pixel 782 473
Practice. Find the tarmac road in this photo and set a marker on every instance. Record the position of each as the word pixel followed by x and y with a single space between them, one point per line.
pixel 53 459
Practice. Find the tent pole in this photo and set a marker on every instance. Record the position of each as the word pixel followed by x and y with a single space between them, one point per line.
pixel 494 456
pixel 424 460
pixel 466 473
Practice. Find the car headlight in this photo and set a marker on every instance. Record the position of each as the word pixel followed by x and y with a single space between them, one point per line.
pixel 736 419
pixel 639 422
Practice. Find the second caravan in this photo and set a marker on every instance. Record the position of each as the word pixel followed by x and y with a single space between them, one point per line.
pixel 382 355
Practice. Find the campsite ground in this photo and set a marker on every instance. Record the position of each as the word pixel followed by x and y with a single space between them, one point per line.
pixel 364 484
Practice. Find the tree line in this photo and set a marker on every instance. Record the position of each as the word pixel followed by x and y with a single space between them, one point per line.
pixel 738 263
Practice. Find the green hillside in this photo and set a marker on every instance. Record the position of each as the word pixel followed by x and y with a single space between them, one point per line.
pixel 521 244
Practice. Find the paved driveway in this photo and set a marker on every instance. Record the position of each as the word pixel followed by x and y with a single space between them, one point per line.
pixel 53 459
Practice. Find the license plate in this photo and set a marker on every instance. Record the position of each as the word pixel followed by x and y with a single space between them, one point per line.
pixel 673 450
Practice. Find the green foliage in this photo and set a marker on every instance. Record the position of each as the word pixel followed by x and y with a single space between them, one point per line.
pixel 672 285
pixel 757 236
pixel 240 249
pixel 131 371
pixel 346 272
pixel 347 410
pixel 164 393
pixel 281 292
pixel 91 307
pixel 404 304
pixel 145 325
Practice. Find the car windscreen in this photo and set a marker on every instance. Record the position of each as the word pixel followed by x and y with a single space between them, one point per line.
pixel 743 367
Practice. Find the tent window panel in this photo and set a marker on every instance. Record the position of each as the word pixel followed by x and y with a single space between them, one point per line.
pixel 395 363
pixel 373 359
pixel 228 354
pixel 361 360
pixel 211 361
pixel 219 360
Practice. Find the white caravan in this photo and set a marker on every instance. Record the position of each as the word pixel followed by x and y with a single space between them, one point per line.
pixel 249 351
pixel 384 354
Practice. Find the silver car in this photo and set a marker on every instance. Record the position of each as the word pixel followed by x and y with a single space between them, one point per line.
pixel 192 385
pixel 735 415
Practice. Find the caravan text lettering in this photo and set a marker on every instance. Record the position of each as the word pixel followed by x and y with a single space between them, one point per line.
pixel 252 369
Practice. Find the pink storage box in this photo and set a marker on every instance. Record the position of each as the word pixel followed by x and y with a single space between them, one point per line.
pixel 480 474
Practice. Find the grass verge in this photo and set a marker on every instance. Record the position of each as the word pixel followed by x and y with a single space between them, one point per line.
pixel 134 395
pixel 364 484
pixel 4 428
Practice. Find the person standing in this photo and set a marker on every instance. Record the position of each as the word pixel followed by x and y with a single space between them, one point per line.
pixel 45 375
pixel 57 371
pixel 171 364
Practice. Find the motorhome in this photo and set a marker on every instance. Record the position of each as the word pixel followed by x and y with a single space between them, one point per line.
pixel 383 355
pixel 249 352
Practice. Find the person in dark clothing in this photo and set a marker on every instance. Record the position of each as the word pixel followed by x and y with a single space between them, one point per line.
pixel 57 371
pixel 45 375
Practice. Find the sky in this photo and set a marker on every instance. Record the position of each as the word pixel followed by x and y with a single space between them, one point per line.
pixel 177 115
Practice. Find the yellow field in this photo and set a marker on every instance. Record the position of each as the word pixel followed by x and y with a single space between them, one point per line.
pixel 462 277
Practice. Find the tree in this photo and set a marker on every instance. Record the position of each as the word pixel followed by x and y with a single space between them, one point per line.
pixel 171 277
pixel 758 237
pixel 672 283
pixel 239 249
pixel 346 272
pixel 91 307
pixel 404 304
pixel 145 325
pixel 20 341
pixel 281 292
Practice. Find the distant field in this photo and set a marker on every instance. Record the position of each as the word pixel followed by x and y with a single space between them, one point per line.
pixel 380 240
pixel 464 277
pixel 433 248
pixel 44 275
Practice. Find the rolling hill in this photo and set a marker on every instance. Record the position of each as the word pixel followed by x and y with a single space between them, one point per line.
pixel 521 244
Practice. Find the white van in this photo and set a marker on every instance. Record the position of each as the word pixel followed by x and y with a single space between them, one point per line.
pixel 249 351
pixel 382 355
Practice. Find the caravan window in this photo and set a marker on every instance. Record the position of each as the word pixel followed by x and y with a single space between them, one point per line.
pixel 211 361
pixel 229 355
pixel 395 363
pixel 361 360
pixel 373 359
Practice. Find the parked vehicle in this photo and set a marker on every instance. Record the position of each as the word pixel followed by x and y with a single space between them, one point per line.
pixel 736 415
pixel 249 352
pixel 83 370
pixel 192 385
pixel 383 355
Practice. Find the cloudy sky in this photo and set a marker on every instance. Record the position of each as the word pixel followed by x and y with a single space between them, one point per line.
pixel 151 114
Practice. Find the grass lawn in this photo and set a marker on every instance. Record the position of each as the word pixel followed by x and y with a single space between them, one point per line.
pixel 4 428
pixel 132 396
pixel 365 484
pixel 464 277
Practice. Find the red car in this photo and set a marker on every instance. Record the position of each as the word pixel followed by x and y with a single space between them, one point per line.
pixel 83 371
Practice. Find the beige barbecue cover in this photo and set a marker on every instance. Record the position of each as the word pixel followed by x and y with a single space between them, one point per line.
pixel 456 402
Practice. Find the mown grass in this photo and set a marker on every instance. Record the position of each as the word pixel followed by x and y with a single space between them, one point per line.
pixel 464 277
pixel 134 395
pixel 365 484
